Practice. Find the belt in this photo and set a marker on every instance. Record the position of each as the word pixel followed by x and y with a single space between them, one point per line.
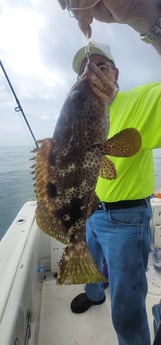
pixel 106 206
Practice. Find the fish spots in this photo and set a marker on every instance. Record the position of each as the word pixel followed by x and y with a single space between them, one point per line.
pixel 71 212
pixel 51 190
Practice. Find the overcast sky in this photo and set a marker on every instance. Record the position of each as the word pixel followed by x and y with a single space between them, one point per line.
pixel 37 42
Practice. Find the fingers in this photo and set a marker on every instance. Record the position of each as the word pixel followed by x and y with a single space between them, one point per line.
pixel 100 94
pixel 97 77
pixel 105 94
pixel 85 28
pixel 102 13
pixel 84 11
pixel 84 18
pixel 100 85
pixel 62 4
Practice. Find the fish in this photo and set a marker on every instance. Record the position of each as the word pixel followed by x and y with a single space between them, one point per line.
pixel 66 170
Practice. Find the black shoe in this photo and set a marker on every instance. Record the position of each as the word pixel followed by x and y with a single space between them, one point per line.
pixel 81 303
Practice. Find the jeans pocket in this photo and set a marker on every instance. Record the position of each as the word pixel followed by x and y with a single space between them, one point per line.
pixel 132 234
pixel 126 216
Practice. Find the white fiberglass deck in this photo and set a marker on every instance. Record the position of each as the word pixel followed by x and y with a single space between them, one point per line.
pixel 59 326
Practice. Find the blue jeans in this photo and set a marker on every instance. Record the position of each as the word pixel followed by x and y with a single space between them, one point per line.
pixel 123 237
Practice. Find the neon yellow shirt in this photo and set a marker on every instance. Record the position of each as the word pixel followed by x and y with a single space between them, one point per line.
pixel 139 108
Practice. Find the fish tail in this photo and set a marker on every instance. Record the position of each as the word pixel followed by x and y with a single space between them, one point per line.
pixel 78 267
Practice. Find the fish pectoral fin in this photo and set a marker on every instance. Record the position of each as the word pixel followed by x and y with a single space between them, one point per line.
pixel 78 267
pixel 107 169
pixel 126 143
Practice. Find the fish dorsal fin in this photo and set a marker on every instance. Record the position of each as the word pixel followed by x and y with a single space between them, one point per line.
pixel 107 169
pixel 126 143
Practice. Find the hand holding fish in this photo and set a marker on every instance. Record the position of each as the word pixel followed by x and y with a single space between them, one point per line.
pixel 103 88
pixel 141 15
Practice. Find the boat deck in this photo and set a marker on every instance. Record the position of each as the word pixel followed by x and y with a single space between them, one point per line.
pixel 59 326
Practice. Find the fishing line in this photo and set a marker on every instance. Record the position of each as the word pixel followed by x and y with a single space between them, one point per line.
pixel 70 11
pixel 70 8
pixel 19 107
pixel 87 52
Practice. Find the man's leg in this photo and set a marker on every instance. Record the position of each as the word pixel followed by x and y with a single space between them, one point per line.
pixel 126 245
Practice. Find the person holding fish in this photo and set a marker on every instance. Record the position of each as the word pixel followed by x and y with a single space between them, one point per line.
pixel 119 229
pixel 144 16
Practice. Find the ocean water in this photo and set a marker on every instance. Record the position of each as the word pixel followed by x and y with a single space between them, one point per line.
pixel 16 185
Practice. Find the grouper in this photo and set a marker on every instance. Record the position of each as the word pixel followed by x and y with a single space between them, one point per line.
pixel 66 170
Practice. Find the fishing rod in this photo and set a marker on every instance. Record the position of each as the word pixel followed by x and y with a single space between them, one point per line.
pixel 19 107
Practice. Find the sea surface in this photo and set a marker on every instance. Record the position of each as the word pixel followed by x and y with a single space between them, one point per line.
pixel 16 184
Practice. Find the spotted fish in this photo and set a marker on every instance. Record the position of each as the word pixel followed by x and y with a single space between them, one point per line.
pixel 66 171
